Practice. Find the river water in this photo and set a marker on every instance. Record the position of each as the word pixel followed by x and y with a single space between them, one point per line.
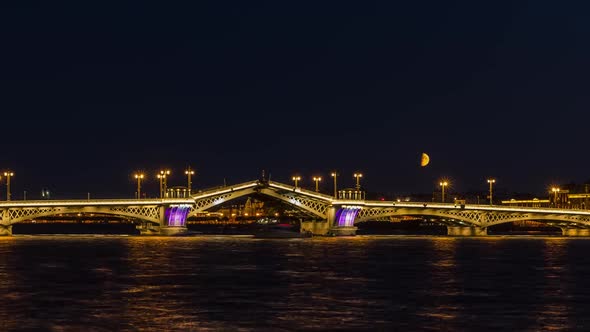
pixel 239 283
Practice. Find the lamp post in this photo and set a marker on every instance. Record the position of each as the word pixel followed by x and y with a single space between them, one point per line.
pixel 8 175
pixel 296 179
pixel 317 179
pixel 443 184
pixel 555 191
pixel 358 177
pixel 335 175
pixel 139 177
pixel 162 177
pixel 189 172
pixel 166 172
pixel 491 182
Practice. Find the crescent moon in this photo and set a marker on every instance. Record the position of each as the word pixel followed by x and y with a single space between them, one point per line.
pixel 424 160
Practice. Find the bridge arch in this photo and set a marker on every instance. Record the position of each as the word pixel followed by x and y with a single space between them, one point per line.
pixel 473 217
pixel 146 213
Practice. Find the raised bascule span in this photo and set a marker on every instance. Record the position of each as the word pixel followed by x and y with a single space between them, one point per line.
pixel 332 216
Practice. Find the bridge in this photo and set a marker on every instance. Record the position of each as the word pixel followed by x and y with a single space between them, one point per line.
pixel 332 216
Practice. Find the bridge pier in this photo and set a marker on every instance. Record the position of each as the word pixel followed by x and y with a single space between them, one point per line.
pixel 148 228
pixel 467 231
pixel 154 229
pixel 575 231
pixel 315 227
pixel 170 231
pixel 341 220
pixel 343 231
pixel 319 227
pixel 172 222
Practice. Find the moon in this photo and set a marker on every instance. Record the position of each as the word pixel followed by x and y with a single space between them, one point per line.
pixel 424 160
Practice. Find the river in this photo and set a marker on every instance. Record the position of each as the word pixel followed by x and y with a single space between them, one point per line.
pixel 239 283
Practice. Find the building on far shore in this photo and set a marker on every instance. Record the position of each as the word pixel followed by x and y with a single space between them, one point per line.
pixel 535 202
pixel 572 198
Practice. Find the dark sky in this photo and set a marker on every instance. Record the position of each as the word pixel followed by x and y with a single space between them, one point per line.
pixel 91 92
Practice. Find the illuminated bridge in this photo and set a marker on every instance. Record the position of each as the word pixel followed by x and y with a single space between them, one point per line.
pixel 332 215
pixel 155 216
pixel 338 215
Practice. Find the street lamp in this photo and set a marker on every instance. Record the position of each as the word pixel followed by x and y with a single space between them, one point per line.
pixel 139 177
pixel 443 184
pixel 555 191
pixel 188 173
pixel 491 182
pixel 162 177
pixel 8 175
pixel 335 175
pixel 296 179
pixel 317 179
pixel 358 177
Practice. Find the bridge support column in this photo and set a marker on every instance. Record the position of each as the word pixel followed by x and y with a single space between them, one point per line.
pixel 466 231
pixel 575 232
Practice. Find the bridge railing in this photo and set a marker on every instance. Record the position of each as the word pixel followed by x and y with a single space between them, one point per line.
pixel 301 190
pixel 221 189
pixel 480 207
pixel 113 201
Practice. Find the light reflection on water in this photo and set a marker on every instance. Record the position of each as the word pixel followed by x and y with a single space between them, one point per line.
pixel 232 283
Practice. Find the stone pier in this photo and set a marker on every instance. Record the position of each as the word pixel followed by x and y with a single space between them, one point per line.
pixel 343 231
pixel 171 231
pixel 315 227
pixel 466 231
pixel 575 232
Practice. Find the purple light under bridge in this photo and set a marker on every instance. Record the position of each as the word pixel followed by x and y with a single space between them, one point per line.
pixel 346 215
pixel 176 215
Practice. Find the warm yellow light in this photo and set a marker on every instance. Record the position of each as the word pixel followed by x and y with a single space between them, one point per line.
pixel 333 174
pixel 491 180
pixel 358 175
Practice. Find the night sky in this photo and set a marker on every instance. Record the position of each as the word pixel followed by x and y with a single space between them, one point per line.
pixel 91 92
